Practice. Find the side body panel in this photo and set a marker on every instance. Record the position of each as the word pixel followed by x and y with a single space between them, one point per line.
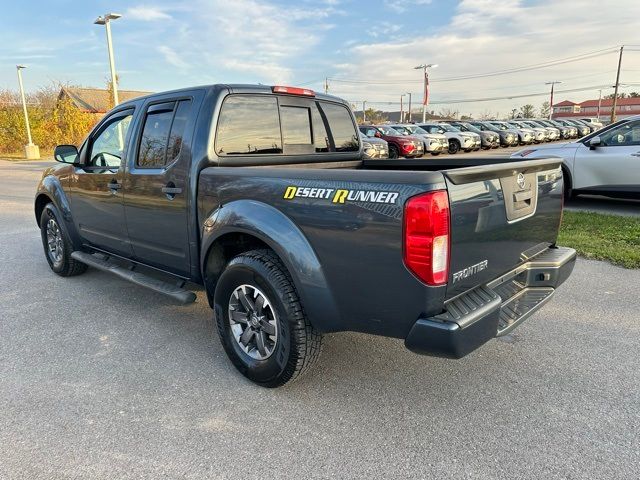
pixel 345 255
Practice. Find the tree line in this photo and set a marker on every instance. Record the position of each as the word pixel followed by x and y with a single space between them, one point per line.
pixel 53 122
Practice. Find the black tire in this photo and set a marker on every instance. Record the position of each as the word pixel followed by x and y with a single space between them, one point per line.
pixel 567 187
pixel 60 262
pixel 454 146
pixel 297 344
pixel 393 151
pixel 435 154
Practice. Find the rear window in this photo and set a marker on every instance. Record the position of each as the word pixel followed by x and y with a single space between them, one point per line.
pixel 263 124
pixel 249 125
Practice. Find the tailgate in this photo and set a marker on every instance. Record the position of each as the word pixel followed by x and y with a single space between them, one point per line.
pixel 501 215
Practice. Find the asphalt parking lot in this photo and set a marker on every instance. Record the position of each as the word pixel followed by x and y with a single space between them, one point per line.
pixel 103 379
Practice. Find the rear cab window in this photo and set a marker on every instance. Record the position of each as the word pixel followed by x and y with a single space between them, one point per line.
pixel 256 124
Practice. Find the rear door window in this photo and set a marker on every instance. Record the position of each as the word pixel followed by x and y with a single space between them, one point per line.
pixel 161 140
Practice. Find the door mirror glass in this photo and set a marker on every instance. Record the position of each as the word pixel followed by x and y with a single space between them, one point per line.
pixel 66 154
pixel 595 142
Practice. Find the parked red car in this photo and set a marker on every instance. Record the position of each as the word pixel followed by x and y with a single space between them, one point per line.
pixel 399 145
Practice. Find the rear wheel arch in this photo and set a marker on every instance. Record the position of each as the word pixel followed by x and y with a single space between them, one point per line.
pixel 248 225
pixel 567 181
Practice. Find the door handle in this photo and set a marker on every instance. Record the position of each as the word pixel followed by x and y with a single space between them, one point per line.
pixel 170 190
pixel 114 185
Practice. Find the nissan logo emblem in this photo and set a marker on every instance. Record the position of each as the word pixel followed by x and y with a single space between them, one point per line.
pixel 520 180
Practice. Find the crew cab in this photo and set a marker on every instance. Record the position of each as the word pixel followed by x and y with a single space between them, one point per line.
pixel 605 162
pixel 290 233
pixel 399 144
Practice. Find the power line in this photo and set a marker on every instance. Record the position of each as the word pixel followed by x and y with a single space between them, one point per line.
pixel 551 63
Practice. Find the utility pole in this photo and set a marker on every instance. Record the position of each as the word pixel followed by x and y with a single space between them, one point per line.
pixel 551 101
pixel 401 109
pixel 599 102
pixel 364 111
pixel 409 93
pixel 425 92
pixel 326 85
pixel 615 92
pixel 106 21
pixel 31 151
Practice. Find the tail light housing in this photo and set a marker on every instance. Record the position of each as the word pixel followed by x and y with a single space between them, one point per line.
pixel 427 237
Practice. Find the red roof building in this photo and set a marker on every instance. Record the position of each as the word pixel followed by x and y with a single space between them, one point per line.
pixel 625 107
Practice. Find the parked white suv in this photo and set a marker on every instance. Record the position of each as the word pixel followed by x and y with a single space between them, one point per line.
pixel 605 162
pixel 457 139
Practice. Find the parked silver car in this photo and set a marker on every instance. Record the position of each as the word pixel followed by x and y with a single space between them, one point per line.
pixel 508 137
pixel 489 139
pixel 582 129
pixel 374 147
pixel 606 162
pixel 540 134
pixel 526 135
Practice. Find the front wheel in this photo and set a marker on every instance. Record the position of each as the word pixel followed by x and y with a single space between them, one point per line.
pixel 435 154
pixel 57 246
pixel 393 151
pixel 260 320
pixel 454 146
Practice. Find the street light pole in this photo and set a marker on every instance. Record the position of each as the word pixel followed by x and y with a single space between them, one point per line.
pixel 364 111
pixel 401 109
pixel 106 21
pixel 551 101
pixel 409 107
pixel 31 151
pixel 425 92
pixel 599 102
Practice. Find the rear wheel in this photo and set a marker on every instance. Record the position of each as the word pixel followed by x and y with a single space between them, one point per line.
pixel 454 146
pixel 57 246
pixel 393 151
pixel 435 154
pixel 260 320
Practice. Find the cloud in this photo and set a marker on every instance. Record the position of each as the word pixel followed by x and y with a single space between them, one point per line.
pixel 489 35
pixel 172 57
pixel 401 6
pixel 147 13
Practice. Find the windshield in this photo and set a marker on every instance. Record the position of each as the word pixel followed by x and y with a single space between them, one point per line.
pixel 448 128
pixel 390 131
pixel 499 125
pixel 468 127
pixel 417 130
pixel 491 127
pixel 402 130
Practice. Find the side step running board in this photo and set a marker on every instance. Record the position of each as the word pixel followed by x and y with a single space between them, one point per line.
pixel 178 294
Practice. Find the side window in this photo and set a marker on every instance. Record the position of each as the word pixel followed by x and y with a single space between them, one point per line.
pixel 296 125
pixel 108 146
pixel 248 124
pixel 153 143
pixel 161 140
pixel 320 136
pixel 342 128
pixel 627 134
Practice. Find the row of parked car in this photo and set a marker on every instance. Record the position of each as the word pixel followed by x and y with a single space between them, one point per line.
pixel 412 140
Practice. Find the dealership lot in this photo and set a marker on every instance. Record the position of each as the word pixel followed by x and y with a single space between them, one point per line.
pixel 103 379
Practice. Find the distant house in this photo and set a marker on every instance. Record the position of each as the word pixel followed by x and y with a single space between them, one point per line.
pixel 625 107
pixel 96 100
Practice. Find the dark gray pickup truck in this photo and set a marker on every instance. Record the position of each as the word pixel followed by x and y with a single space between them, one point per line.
pixel 260 195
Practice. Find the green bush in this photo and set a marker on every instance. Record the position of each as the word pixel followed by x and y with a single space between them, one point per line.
pixel 53 122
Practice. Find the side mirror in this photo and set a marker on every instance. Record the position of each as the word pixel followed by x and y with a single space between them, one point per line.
pixel 66 154
pixel 595 142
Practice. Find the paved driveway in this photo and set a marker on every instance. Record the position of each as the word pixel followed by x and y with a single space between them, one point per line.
pixel 103 379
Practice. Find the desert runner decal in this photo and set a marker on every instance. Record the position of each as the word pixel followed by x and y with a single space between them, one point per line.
pixel 338 195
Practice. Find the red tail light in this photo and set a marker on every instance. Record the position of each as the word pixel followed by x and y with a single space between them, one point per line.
pixel 293 91
pixel 426 237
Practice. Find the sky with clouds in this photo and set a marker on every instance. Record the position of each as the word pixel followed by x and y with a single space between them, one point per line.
pixel 367 49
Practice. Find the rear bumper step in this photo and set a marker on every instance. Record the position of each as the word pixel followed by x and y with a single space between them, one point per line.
pixel 494 309
pixel 180 295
